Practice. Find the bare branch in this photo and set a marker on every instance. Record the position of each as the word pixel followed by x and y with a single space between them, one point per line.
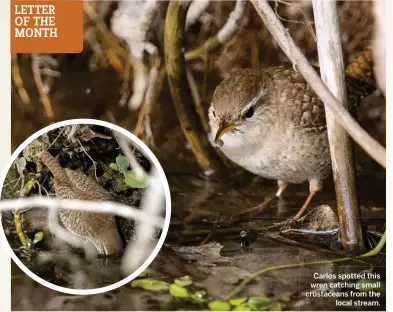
pixel 41 88
pixel 180 89
pixel 136 16
pixel 18 81
pixel 281 35
pixel 156 79
pixel 197 8
pixel 332 71
pixel 224 35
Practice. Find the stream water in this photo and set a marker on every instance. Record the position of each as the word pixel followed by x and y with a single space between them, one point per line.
pixel 197 204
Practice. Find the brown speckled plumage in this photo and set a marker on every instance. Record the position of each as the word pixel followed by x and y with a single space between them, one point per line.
pixel 285 139
pixel 100 229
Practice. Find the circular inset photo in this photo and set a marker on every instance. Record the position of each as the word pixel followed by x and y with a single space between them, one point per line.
pixel 85 206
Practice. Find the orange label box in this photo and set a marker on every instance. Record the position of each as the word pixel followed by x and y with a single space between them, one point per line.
pixel 46 26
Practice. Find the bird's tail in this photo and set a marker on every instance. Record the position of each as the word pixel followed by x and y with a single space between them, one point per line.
pixel 54 166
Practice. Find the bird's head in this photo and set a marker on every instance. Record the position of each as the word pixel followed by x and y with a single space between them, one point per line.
pixel 237 109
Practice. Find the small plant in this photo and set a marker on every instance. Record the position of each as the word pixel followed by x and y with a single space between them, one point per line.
pixel 37 238
pixel 179 291
pixel 130 176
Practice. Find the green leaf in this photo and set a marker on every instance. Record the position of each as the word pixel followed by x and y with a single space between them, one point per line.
pixel 218 305
pixel 178 291
pixel 122 163
pixel 38 237
pixel 257 303
pixel 199 296
pixel 113 167
pixel 238 301
pixel 183 281
pixel 132 180
pixel 150 284
pixel 242 307
pixel 22 163
pixel 277 306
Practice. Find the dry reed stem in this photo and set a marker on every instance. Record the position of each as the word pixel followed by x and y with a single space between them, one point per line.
pixel 156 78
pixel 192 128
pixel 113 48
pixel 18 81
pixel 45 100
pixel 224 35
pixel 332 72
pixel 197 101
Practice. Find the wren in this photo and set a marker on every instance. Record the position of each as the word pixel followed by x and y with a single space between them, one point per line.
pixel 271 123
pixel 98 228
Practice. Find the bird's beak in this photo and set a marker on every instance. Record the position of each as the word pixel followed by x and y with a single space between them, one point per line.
pixel 222 130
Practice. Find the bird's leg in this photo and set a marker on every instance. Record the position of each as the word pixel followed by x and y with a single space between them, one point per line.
pixel 305 205
pixel 281 188
pixel 315 186
pixel 260 207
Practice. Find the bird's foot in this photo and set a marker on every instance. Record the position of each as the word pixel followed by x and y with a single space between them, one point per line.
pixel 292 220
pixel 287 223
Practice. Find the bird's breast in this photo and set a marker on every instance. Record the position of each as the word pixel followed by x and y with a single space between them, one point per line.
pixel 283 157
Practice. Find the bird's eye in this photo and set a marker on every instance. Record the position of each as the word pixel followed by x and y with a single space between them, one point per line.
pixel 249 113
pixel 214 114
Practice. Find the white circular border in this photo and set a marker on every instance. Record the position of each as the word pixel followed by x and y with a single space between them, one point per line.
pixel 163 178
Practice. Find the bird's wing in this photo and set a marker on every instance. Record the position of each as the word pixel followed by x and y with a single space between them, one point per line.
pixel 309 110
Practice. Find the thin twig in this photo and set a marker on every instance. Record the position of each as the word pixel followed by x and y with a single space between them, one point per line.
pixel 92 160
pixel 285 19
pixel 224 35
pixel 248 279
pixel 58 136
pixel 18 81
pixel 125 86
pixel 282 37
pixel 154 88
pixel 197 101
pixel 41 89
pixel 113 48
